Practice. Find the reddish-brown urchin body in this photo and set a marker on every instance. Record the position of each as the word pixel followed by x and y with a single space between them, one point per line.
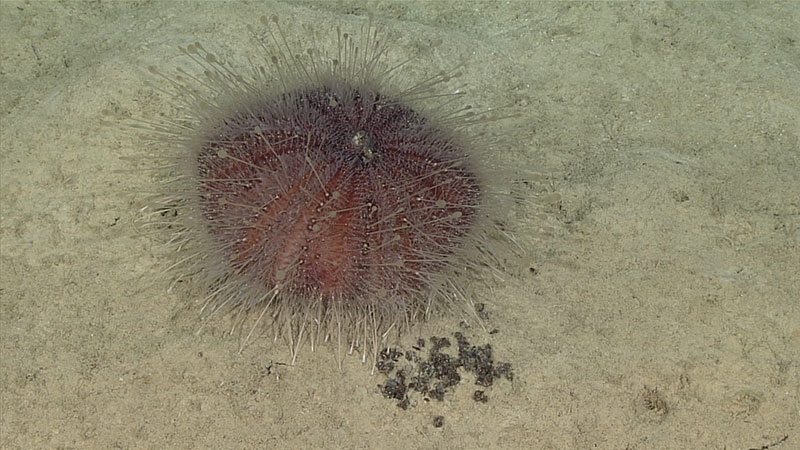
pixel 327 204
pixel 336 192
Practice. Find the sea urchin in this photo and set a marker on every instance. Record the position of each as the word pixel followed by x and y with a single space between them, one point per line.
pixel 317 194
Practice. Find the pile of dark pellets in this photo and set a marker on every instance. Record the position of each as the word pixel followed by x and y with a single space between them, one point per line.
pixel 409 374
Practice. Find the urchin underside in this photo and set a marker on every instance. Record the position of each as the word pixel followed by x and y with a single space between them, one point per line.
pixel 334 192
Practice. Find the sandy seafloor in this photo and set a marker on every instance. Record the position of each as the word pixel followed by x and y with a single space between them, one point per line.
pixel 664 311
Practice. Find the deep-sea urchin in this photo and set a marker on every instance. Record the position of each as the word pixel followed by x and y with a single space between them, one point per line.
pixel 326 196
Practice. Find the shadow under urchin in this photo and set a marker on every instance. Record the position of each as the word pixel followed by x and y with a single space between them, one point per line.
pixel 319 195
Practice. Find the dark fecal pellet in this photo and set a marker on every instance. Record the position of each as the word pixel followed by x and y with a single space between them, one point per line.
pixel 439 344
pixel 384 366
pixel 404 403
